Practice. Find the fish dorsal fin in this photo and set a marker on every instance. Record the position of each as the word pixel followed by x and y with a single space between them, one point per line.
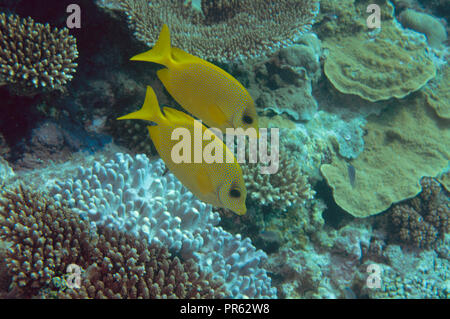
pixel 182 56
pixel 175 116
pixel 150 110
pixel 161 51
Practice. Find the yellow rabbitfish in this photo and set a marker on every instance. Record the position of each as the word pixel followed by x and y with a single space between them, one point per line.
pixel 200 87
pixel 219 184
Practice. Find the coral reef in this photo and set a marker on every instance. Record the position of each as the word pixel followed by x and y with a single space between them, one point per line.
pixel 133 195
pixel 283 83
pixel 264 26
pixel 426 24
pixel 410 275
pixel 312 272
pixel 47 238
pixel 423 220
pixel 403 144
pixel 35 57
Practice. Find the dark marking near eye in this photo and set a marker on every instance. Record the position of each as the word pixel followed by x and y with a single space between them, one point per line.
pixel 235 193
pixel 247 119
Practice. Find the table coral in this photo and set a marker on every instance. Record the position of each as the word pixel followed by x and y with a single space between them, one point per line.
pixel 404 144
pixel 46 238
pixel 34 56
pixel 263 26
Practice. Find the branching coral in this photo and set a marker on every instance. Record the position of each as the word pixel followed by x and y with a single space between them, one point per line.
pixel 287 187
pixel 33 56
pixel 424 219
pixel 47 238
pixel 244 28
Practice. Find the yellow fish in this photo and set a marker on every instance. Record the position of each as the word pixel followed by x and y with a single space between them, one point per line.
pixel 200 87
pixel 219 184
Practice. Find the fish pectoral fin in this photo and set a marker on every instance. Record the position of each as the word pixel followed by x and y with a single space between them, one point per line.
pixel 203 182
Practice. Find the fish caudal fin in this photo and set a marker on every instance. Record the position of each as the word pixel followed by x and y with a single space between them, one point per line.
pixel 161 52
pixel 150 111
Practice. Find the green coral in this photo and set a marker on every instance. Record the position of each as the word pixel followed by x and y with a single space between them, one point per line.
pixel 376 64
pixel 437 92
pixel 404 144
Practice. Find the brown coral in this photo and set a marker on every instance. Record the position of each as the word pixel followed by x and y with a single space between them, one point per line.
pixel 45 239
pixel 423 220
pixel 222 30
pixel 33 56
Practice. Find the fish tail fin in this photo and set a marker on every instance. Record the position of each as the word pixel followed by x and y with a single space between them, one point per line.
pixel 150 111
pixel 161 52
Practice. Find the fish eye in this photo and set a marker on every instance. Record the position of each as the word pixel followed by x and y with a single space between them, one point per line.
pixel 235 193
pixel 247 119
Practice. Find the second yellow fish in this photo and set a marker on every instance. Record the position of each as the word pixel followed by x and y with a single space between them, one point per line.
pixel 219 184
pixel 200 87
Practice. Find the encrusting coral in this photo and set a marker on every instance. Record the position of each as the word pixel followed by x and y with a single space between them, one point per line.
pixel 46 238
pixel 33 56
pixel 437 92
pixel 423 220
pixel 263 26
pixel 378 64
pixel 403 144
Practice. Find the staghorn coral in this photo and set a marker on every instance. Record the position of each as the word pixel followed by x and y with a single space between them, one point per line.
pixel 46 238
pixel 285 188
pixel 402 145
pixel 133 195
pixel 35 57
pixel 263 26
pixel 423 220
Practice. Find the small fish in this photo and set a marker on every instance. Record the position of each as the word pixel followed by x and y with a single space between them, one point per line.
pixel 351 174
pixel 219 184
pixel 200 87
